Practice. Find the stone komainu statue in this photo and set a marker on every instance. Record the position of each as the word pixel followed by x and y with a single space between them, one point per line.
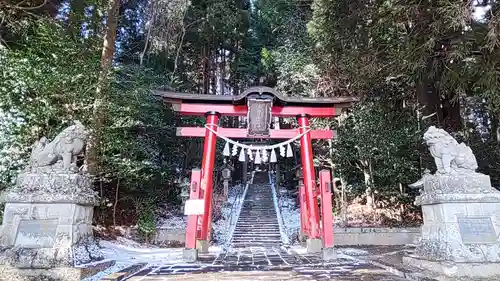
pixel 449 155
pixel 65 147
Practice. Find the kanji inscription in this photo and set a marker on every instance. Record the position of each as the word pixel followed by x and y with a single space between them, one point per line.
pixel 476 230
pixel 259 117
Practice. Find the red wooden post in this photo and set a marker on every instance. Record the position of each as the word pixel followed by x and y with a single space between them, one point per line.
pixel 309 177
pixel 326 185
pixel 207 167
pixel 304 218
pixel 192 221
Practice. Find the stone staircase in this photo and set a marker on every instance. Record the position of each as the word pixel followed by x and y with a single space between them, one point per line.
pixel 257 224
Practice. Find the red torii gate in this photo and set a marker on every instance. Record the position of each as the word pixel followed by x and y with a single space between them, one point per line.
pixel 259 104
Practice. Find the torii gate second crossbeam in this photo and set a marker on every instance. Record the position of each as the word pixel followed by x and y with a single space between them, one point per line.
pixel 259 104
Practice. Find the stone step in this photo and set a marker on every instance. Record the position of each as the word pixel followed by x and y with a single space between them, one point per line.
pixel 249 209
pixel 275 242
pixel 244 235
pixel 250 229
pixel 255 222
pixel 260 220
pixel 262 231
pixel 256 225
pixel 259 217
pixel 245 244
pixel 257 212
pixel 259 232
pixel 257 240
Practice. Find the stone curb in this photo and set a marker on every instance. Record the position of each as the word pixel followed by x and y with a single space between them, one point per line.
pixel 124 273
pixel 97 267
pixel 413 276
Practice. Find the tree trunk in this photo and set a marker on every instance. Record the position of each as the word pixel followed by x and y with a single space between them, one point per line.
pixel 205 71
pixel 117 193
pixel 495 128
pixel 428 98
pixel 76 17
pixel 369 190
pixel 430 113
pixel 451 114
pixel 108 50
pixel 343 184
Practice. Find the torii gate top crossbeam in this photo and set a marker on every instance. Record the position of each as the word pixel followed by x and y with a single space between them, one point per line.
pixel 197 105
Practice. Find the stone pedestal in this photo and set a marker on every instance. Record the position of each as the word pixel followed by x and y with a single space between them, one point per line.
pixel 47 223
pixel 314 245
pixel 202 246
pixel 190 255
pixel 328 254
pixel 461 214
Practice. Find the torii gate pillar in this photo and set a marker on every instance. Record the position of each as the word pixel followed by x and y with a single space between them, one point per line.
pixel 207 167
pixel 306 154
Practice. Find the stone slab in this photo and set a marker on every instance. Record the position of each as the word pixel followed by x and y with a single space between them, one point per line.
pixel 202 246
pixel 92 269
pixel 328 254
pixel 36 233
pixel 456 270
pixel 190 255
pixel 83 252
pixel 376 236
pixel 124 273
pixel 456 183
pixel 8 273
pixel 51 186
pixel 474 230
pixel 314 245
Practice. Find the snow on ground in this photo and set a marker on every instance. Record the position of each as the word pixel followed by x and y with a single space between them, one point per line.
pixel 127 252
pixel 224 226
pixel 290 214
pixel 342 253
pixel 353 251
pixel 174 222
pixel 172 219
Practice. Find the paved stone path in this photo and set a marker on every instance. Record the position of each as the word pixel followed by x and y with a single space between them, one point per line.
pixel 257 253
pixel 342 269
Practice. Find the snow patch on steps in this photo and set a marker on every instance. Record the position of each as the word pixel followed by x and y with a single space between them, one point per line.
pixel 284 237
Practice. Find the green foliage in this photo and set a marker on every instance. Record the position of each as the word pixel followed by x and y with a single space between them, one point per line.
pixel 44 85
pixel 146 223
pixel 49 80
pixel 378 138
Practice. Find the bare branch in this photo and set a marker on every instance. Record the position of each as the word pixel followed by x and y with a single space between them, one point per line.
pixel 17 6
